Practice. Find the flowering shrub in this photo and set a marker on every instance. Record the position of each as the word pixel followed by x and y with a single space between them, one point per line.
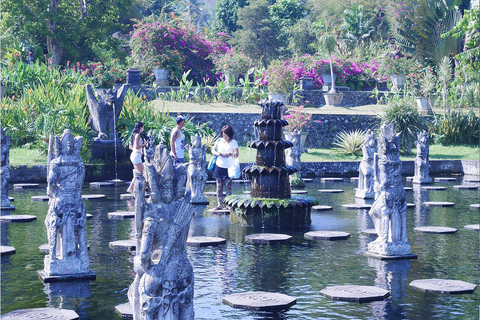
pixel 279 78
pixel 171 46
pixel 232 63
pixel 397 65
pixel 104 75
pixel 297 119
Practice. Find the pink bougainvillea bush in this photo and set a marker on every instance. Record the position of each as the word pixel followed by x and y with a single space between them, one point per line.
pixel 177 48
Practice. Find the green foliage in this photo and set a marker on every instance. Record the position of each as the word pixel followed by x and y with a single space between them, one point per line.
pixel 456 128
pixel 258 36
pixel 279 77
pixel 106 74
pixel 350 142
pixel 301 38
pixel 286 13
pixel 408 121
pixel 226 13
pixel 356 26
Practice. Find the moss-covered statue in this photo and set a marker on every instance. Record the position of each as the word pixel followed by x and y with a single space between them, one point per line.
pixel 197 171
pixel 422 166
pixel 365 171
pixel 163 285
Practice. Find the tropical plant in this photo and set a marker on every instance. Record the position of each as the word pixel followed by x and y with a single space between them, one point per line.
pixel 328 43
pixel 106 74
pixel 297 119
pixel 456 128
pixel 350 142
pixel 396 65
pixel 232 63
pixel 445 77
pixel 408 121
pixel 356 26
pixel 428 84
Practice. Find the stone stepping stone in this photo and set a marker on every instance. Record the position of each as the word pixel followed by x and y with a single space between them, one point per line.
pixel 211 182
pixel 41 313
pixel 434 188
pixel 18 218
pixel 326 235
pixel 354 293
pixel 472 226
pixel 44 248
pixel 212 193
pixel 371 232
pixel 411 205
pixel 331 190
pixel 409 178
pixel 9 208
pixel 444 179
pixel 118 182
pixel 247 192
pixel 443 286
pixel 354 179
pixel 240 181
pixel 124 310
pixel 205 241
pixel 431 229
pixel 438 204
pixel 40 198
pixel 26 185
pixel 299 191
pixel 471 179
pixel 466 187
pixel 6 250
pixel 93 196
pixel 259 300
pixel 322 208
pixel 101 184
pixel 123 245
pixel 331 179
pixel 120 215
pixel 407 188
pixel 307 180
pixel 221 211
pixel 475 206
pixel 126 196
pixel 267 238
pixel 11 199
pixel 356 206
pixel 89 216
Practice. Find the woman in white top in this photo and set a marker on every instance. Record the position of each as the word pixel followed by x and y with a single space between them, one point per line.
pixel 136 145
pixel 177 141
pixel 225 149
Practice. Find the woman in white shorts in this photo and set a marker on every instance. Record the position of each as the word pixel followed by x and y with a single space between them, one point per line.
pixel 136 145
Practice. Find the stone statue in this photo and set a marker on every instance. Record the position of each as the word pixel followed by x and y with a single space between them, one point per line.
pixel 293 159
pixel 105 111
pixel 163 284
pixel 422 166
pixel 390 207
pixel 196 172
pixel 365 171
pixel 5 171
pixel 67 216
pixel 30 55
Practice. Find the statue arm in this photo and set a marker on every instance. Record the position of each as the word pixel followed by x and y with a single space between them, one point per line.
pixel 52 179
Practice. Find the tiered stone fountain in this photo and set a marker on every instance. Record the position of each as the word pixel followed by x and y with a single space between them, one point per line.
pixel 270 204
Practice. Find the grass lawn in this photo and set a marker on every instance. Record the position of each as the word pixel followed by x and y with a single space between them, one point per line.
pixel 20 156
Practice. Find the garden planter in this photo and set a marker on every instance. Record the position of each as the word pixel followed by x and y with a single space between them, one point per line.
pixel 161 77
pixel 398 82
pixel 333 99
pixel 424 105
pixel 303 138
pixel 327 81
pixel 278 96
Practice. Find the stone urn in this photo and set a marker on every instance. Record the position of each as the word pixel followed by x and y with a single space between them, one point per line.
pixel 279 96
pixel 333 99
pixel 398 81
pixel 424 105
pixel 327 81
pixel 303 138
pixel 161 77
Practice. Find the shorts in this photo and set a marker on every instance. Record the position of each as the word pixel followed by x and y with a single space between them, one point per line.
pixel 136 158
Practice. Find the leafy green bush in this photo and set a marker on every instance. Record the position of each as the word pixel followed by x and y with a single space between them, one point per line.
pixel 456 128
pixel 350 142
pixel 407 119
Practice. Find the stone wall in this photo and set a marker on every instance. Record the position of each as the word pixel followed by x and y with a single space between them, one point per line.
pixel 320 135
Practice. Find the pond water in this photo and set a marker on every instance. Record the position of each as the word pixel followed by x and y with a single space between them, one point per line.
pixel 299 269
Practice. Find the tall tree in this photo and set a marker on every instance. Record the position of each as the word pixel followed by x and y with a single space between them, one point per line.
pixel 64 28
pixel 258 36
pixel 226 15
pixel 356 27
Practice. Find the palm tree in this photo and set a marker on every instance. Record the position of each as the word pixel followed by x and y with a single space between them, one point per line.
pixel 328 43
pixel 355 26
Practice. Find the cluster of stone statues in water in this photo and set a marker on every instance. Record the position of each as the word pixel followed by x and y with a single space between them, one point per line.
pixel 164 281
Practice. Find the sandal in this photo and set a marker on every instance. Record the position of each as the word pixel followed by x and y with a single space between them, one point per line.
pixel 218 208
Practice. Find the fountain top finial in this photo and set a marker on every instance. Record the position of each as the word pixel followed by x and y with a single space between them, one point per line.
pixel 272 109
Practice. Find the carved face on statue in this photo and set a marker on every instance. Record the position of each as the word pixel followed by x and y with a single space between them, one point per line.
pixel 67 143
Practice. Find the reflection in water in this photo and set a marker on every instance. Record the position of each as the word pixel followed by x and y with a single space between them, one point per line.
pixel 391 276
pixel 421 212
pixel 71 295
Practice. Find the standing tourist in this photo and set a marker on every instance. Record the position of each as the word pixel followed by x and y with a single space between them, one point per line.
pixel 136 145
pixel 177 141
pixel 225 149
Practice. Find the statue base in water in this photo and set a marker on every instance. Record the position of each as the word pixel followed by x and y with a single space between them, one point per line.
pixel 105 150
pixel 46 278
pixel 289 213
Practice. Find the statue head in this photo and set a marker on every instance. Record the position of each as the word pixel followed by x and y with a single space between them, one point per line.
pixel 67 143
pixel 422 143
pixel 196 141
pixel 389 141
pixel 369 146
